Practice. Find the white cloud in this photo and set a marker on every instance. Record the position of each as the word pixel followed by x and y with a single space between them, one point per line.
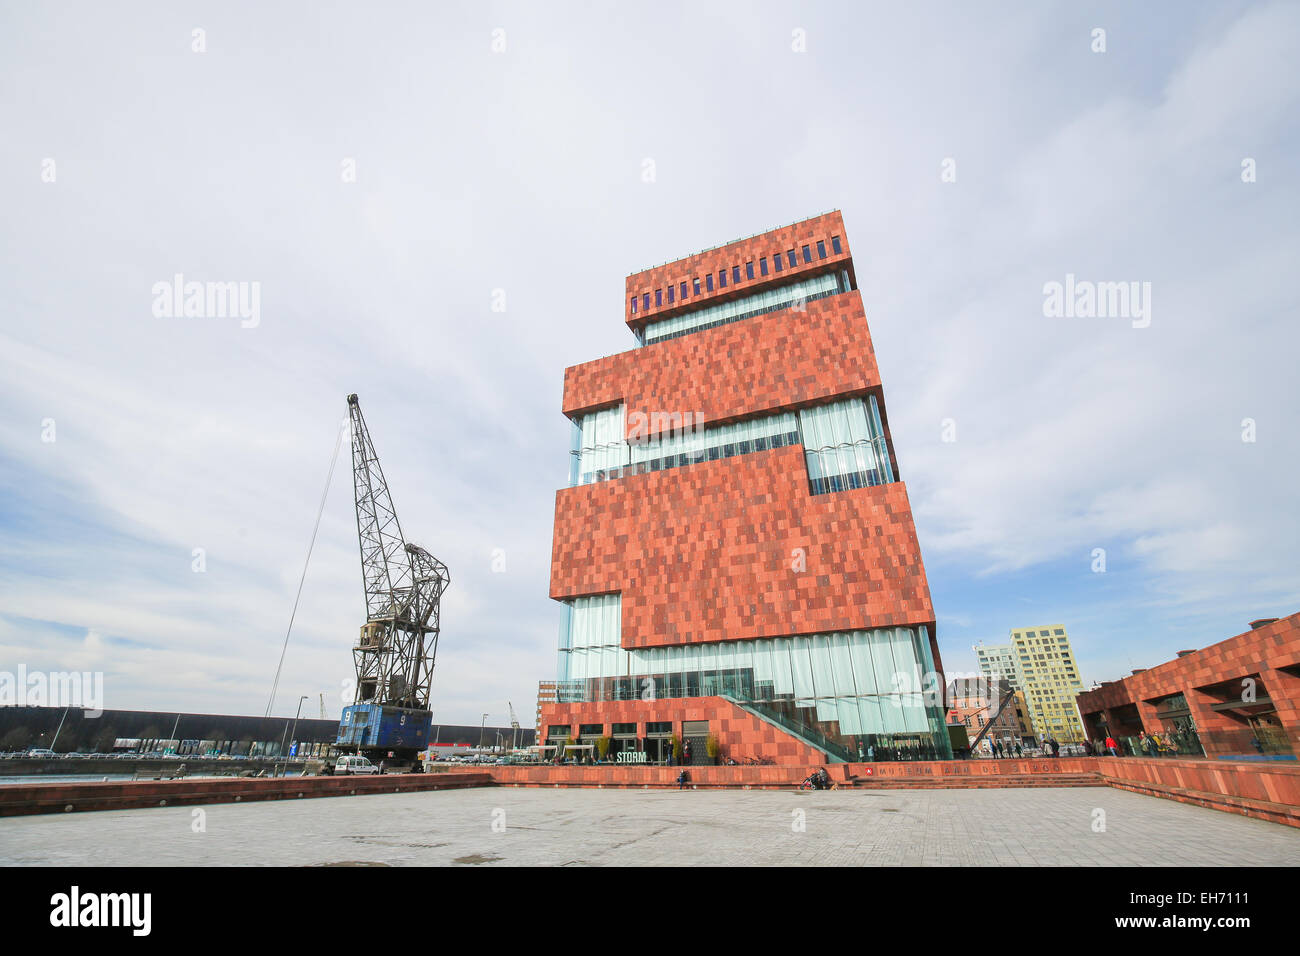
pixel 519 171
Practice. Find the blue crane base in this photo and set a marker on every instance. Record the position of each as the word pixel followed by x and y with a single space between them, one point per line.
pixel 378 727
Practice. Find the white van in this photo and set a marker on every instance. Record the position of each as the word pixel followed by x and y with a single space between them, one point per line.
pixel 347 765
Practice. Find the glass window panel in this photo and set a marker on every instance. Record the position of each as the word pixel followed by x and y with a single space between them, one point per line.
pixel 782 667
pixel 849 716
pixel 819 652
pixel 801 668
pixel 882 661
pixel 842 665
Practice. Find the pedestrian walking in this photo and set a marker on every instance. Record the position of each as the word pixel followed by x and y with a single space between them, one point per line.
pixel 1112 746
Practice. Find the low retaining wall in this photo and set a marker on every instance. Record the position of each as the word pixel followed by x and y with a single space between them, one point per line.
pixel 623 777
pixel 19 799
pixel 110 766
pixel 933 774
pixel 1266 790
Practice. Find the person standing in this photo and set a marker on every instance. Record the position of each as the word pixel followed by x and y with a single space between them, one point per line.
pixel 1112 746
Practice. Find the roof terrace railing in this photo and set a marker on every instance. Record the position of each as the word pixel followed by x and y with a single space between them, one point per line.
pixel 729 242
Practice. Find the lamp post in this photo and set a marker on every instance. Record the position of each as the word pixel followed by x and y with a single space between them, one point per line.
pixel 480 731
pixel 285 736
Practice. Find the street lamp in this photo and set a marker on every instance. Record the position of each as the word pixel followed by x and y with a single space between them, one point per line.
pixel 480 731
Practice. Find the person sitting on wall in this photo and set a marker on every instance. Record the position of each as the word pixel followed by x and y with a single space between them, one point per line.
pixel 681 780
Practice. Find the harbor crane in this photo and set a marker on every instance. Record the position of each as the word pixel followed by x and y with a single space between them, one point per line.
pixel 390 716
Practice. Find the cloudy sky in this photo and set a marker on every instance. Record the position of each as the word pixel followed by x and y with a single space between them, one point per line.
pixel 503 147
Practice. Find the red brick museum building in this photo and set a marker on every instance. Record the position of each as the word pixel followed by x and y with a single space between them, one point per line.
pixel 735 555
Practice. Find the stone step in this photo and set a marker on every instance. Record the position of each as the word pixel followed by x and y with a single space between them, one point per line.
pixel 973 782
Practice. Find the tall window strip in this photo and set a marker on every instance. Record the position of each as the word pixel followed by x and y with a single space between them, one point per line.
pixel 844 446
pixel 598 445
pixel 759 303
pixel 598 456
pixel 590 630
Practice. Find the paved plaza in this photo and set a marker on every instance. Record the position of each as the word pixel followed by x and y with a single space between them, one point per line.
pixel 550 827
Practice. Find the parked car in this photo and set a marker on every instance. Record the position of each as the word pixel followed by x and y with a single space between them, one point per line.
pixel 350 765
pixel 41 752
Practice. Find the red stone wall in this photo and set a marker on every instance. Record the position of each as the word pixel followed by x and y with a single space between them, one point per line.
pixel 738 253
pixel 761 365
pixel 1266 790
pixel 704 552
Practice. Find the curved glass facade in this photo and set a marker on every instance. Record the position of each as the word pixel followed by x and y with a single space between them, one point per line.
pixel 844 445
pixel 852 689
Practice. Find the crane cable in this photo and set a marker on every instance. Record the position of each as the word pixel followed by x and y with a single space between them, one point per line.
pixel 338 443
